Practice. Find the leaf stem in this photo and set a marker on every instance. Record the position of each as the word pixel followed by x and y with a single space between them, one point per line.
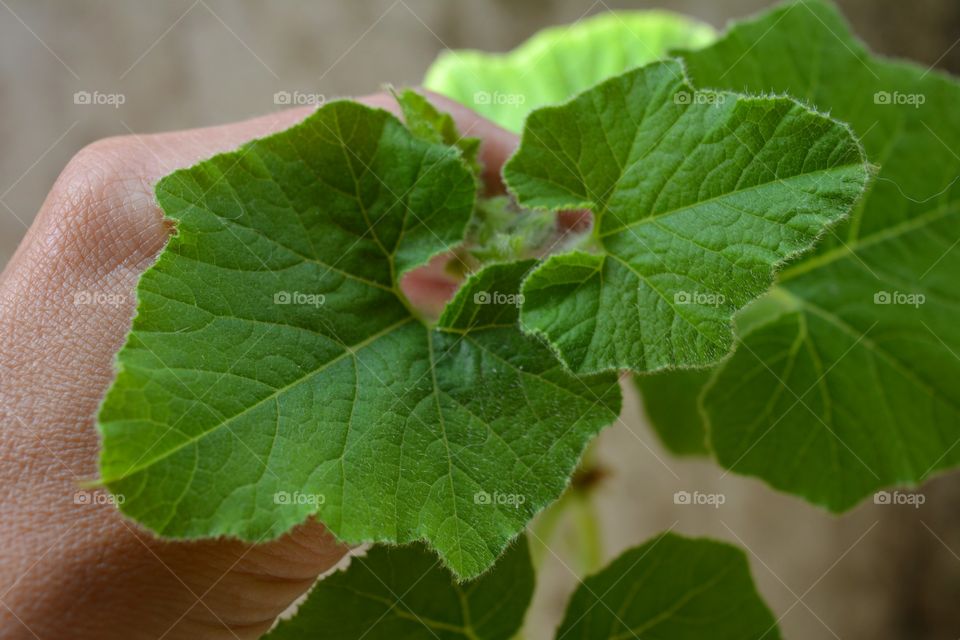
pixel 588 534
pixel 577 500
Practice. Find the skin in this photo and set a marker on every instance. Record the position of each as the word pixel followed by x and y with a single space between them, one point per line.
pixel 81 570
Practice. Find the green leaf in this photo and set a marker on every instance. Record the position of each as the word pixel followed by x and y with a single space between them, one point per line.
pixel 670 400
pixel 559 62
pixel 697 197
pixel 842 381
pixel 403 592
pixel 671 587
pixel 275 370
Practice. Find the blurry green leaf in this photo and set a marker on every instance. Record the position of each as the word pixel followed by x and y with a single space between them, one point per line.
pixel 275 370
pixel 673 588
pixel 697 197
pixel 403 592
pixel 559 62
pixel 670 399
pixel 844 379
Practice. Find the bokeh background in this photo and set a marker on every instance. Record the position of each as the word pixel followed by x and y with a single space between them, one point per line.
pixel 880 572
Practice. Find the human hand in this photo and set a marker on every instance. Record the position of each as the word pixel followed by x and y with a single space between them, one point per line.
pixel 82 570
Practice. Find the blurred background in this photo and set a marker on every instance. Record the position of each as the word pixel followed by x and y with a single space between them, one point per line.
pixel 882 572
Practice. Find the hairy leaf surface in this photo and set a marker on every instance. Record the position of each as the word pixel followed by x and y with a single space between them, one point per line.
pixel 844 377
pixel 275 371
pixel 697 197
pixel 559 62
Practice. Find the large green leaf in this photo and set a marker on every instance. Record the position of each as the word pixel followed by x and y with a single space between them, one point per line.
pixel 843 380
pixel 275 371
pixel 559 62
pixel 697 197
pixel 403 592
pixel 671 587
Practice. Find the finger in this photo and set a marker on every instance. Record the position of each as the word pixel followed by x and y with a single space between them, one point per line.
pixel 497 144
pixel 430 287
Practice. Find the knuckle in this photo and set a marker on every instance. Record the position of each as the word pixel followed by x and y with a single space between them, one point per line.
pixel 98 172
pixel 100 211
